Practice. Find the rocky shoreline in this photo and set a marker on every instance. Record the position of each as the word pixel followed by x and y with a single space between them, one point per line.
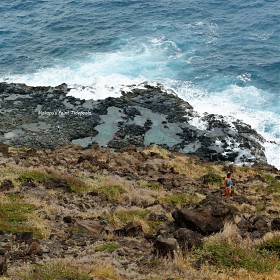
pixel 47 118
pixel 85 193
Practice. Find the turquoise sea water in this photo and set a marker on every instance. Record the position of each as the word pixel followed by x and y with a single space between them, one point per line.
pixel 221 56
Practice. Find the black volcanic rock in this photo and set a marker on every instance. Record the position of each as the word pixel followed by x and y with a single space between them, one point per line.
pixel 45 117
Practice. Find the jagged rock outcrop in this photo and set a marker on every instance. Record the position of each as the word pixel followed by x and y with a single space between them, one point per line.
pixel 46 117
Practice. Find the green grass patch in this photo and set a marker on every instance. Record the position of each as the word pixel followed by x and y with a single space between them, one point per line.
pixel 107 247
pixel 272 245
pixel 126 216
pixel 212 178
pixel 152 186
pixel 227 256
pixel 113 192
pixel 53 272
pixel 179 199
pixel 274 187
pixel 244 168
pixel 34 175
pixel 261 206
pixel 79 230
pixel 76 184
pixel 15 217
pixel 153 225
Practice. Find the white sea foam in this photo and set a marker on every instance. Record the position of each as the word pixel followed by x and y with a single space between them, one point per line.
pixel 244 104
pixel 102 75
pixel 198 123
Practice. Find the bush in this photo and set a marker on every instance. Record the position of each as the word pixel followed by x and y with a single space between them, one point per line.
pixel 212 179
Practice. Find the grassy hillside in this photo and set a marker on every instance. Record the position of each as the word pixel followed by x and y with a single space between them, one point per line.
pixel 95 214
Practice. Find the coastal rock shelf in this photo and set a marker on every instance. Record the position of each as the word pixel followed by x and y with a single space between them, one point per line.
pixel 46 118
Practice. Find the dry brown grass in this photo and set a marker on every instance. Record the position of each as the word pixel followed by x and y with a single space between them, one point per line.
pixel 134 205
pixel 230 234
pixel 106 271
pixel 181 268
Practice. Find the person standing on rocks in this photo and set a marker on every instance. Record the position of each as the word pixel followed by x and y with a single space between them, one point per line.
pixel 53 129
pixel 58 127
pixel 228 185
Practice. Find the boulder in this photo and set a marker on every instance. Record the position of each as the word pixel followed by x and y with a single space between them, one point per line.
pixel 260 222
pixel 165 247
pixel 243 225
pixel 54 183
pixel 275 224
pixel 24 236
pixel 68 220
pixel 33 248
pixel 3 265
pixel 188 239
pixel 4 149
pixel 92 228
pixel 132 229
pixel 6 185
pixel 28 185
pixel 200 220
pixel 157 217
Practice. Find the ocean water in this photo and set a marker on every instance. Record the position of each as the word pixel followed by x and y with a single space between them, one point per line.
pixel 223 57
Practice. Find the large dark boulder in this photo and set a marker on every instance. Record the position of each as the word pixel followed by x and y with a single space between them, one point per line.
pixel 24 236
pixel 6 185
pixel 132 229
pixel 200 220
pixel 3 265
pixel 188 239
pixel 166 247
pixel 275 224
pixel 55 183
pixel 4 149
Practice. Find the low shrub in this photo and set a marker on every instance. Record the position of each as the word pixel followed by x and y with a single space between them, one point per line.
pixel 212 179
